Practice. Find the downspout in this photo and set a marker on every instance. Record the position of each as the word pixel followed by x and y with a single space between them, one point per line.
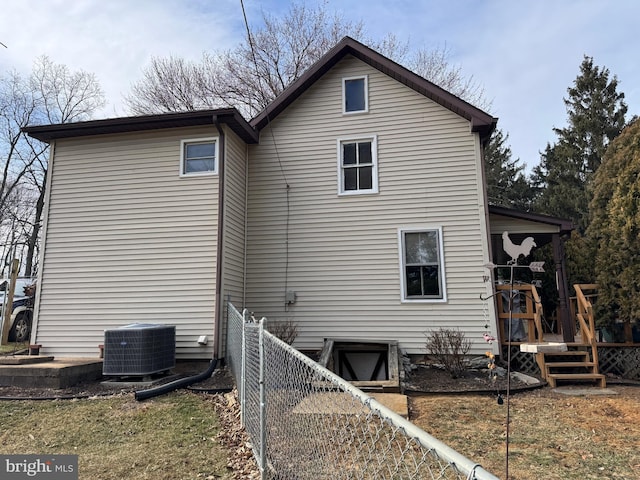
pixel 185 382
pixel 490 278
pixel 246 225
pixel 220 243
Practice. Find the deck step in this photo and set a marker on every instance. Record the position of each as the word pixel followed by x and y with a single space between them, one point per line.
pixel 569 364
pixel 598 377
pixel 568 353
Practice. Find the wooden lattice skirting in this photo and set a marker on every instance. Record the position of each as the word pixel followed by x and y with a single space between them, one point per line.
pixel 520 361
pixel 620 361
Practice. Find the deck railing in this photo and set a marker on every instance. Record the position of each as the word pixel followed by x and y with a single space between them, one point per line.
pixel 585 318
pixel 528 308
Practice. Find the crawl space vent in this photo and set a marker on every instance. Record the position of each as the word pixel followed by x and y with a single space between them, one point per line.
pixel 139 349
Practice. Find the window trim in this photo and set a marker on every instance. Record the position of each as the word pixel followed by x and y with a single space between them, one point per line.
pixel 374 164
pixel 366 95
pixel 401 257
pixel 187 141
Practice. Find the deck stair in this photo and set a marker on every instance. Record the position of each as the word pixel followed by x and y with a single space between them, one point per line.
pixel 569 366
pixel 570 362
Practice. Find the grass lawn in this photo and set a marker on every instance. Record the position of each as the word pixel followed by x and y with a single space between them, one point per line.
pixel 552 436
pixel 169 437
pixel 13 347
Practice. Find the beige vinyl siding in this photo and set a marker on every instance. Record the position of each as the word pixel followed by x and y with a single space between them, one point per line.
pixel 343 259
pixel 500 223
pixel 127 240
pixel 234 223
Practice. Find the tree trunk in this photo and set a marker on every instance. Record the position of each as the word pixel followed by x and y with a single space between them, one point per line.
pixel 35 232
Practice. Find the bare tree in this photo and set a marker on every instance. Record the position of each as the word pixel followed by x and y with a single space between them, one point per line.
pixel 274 55
pixel 271 57
pixel 435 66
pixel 247 77
pixel 169 85
pixel 51 94
pixel 65 96
pixel 18 108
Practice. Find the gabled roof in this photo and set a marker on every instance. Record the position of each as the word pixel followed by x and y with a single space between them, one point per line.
pixel 229 116
pixel 481 121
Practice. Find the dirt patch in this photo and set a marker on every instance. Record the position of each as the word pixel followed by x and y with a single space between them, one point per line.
pixel 552 435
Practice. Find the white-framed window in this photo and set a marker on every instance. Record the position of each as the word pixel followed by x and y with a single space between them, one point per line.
pixel 422 264
pixel 199 156
pixel 355 94
pixel 357 165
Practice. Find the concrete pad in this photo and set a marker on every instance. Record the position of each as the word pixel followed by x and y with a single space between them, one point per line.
pixel 328 403
pixel 60 373
pixel 145 381
pixel 543 347
pixel 24 359
pixel 344 404
pixel 577 391
pixel 394 401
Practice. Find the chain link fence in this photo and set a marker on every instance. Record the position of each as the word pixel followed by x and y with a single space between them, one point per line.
pixel 305 422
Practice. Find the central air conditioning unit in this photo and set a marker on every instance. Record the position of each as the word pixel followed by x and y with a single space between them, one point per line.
pixel 139 349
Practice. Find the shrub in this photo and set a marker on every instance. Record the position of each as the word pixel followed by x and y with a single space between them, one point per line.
pixel 285 330
pixel 449 347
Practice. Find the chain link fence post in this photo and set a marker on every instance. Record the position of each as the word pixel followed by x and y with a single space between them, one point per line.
pixel 263 405
pixel 242 386
pixel 306 423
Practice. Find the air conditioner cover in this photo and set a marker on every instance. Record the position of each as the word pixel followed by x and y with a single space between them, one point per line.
pixel 139 349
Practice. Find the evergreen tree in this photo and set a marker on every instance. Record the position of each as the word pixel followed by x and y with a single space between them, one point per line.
pixel 595 116
pixel 615 228
pixel 507 186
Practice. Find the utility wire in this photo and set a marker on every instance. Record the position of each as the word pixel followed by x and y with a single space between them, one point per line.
pixel 255 65
pixel 275 146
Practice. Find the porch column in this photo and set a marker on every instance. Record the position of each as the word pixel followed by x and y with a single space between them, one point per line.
pixel 563 289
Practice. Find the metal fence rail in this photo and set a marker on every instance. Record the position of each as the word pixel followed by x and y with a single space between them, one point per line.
pixel 305 422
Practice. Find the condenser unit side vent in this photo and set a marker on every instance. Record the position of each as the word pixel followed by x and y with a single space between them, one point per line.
pixel 139 349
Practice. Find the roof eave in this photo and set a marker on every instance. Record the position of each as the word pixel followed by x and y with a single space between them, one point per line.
pixel 230 116
pixel 564 225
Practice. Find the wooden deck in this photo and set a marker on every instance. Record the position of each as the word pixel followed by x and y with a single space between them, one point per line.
pixel 520 319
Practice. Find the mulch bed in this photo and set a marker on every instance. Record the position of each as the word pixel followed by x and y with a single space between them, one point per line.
pixel 434 379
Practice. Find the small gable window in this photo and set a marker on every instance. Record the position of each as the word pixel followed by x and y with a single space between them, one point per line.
pixel 355 95
pixel 422 268
pixel 199 157
pixel 358 165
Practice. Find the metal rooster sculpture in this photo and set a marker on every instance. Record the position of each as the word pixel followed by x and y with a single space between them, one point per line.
pixel 515 251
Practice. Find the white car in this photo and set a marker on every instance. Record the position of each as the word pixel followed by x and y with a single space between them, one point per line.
pixel 22 311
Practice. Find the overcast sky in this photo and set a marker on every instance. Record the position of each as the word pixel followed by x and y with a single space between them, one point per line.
pixel 525 53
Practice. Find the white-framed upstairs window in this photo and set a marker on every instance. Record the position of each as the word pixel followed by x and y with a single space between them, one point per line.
pixel 355 94
pixel 199 156
pixel 422 265
pixel 358 165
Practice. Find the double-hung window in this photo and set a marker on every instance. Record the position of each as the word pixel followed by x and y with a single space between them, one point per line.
pixel 422 266
pixel 358 165
pixel 355 95
pixel 199 156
